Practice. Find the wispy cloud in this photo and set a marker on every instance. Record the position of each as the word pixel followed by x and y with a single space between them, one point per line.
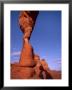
pixel 57 61
pixel 15 53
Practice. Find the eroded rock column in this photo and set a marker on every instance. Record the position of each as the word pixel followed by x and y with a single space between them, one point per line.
pixel 27 21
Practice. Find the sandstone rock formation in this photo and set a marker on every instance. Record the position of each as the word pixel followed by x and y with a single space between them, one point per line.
pixel 44 64
pixel 20 72
pixel 30 66
pixel 26 21
pixel 27 54
pixel 36 59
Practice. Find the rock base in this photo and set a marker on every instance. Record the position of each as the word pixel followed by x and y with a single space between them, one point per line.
pixel 22 72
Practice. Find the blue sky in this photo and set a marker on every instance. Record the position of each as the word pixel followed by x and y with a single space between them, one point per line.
pixel 45 38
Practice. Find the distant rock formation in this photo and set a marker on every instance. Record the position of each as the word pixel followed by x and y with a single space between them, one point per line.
pixel 30 66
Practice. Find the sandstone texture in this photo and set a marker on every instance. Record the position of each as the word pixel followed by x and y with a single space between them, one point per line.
pixel 27 55
pixel 26 22
pixel 35 72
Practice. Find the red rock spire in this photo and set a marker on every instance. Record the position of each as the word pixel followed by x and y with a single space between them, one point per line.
pixel 26 21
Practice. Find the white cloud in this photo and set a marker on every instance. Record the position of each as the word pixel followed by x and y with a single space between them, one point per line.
pixel 15 53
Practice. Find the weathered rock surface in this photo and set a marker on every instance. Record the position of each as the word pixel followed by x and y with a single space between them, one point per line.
pixel 27 55
pixel 44 64
pixel 36 59
pixel 26 22
pixel 21 72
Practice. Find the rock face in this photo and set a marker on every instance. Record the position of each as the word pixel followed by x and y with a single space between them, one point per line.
pixel 27 54
pixel 44 64
pixel 21 72
pixel 36 59
pixel 30 66
pixel 26 21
